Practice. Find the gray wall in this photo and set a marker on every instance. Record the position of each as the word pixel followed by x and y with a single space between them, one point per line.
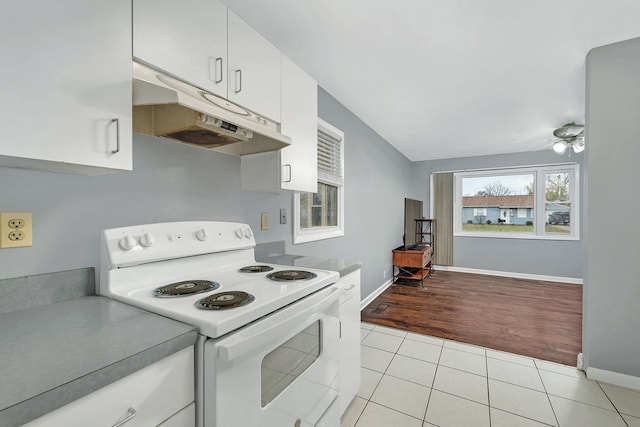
pixel 612 292
pixel 377 179
pixel 172 182
pixel 544 257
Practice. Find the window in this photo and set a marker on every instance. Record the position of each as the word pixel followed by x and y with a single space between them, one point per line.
pixel 320 215
pixel 532 202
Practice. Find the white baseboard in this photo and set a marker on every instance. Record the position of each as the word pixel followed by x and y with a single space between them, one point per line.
pixel 615 378
pixel 574 280
pixel 365 302
pixel 580 362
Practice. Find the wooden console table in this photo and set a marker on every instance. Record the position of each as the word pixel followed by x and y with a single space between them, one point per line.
pixel 412 264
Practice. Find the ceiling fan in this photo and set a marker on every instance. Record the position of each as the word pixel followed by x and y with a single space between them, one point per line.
pixel 569 135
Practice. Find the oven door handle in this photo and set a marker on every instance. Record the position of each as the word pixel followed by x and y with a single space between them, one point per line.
pixel 253 338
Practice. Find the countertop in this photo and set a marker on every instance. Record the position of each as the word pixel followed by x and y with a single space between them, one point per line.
pixel 53 354
pixel 342 266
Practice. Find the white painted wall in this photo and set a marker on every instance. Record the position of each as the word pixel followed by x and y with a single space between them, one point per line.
pixel 611 339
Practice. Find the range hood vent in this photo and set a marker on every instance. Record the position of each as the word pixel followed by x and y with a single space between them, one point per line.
pixel 168 107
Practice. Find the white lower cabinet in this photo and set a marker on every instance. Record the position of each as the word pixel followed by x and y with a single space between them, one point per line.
pixel 160 394
pixel 350 338
pixel 185 418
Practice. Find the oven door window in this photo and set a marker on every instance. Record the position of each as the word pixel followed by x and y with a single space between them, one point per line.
pixel 287 362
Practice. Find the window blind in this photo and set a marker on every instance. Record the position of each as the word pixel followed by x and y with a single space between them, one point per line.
pixel 329 153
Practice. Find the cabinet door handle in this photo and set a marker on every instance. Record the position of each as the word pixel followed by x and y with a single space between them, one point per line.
pixel 216 64
pixel 238 81
pixel 130 414
pixel 288 167
pixel 117 122
pixel 351 286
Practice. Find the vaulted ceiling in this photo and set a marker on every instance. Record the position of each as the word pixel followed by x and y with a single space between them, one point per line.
pixel 449 78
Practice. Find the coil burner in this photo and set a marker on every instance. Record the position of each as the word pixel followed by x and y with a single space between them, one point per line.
pixel 225 300
pixel 256 269
pixel 291 275
pixel 188 287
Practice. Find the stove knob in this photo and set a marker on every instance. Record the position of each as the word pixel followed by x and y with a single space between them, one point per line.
pixel 127 242
pixel 247 233
pixel 147 240
pixel 202 234
pixel 239 233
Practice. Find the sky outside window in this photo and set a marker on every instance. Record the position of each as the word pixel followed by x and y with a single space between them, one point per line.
pixel 471 186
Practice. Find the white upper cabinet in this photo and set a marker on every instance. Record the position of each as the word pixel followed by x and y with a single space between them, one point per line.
pixel 254 69
pixel 66 86
pixel 299 161
pixel 209 46
pixel 186 38
pixel 294 167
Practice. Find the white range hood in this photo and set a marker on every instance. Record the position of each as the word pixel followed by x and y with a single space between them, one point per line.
pixel 167 107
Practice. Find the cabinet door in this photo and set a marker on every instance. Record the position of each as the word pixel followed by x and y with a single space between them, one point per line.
pixel 350 339
pixel 186 38
pixel 254 69
pixel 300 123
pixel 66 76
pixel 146 398
pixel 294 167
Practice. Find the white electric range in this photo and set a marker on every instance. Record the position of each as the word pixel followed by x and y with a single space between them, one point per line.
pixel 268 352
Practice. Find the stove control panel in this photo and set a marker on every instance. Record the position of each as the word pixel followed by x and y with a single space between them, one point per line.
pixel 244 233
pixel 202 234
pixel 147 240
pixel 156 242
pixel 127 243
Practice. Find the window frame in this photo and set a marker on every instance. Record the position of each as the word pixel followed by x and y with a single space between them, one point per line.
pixel 539 223
pixel 305 235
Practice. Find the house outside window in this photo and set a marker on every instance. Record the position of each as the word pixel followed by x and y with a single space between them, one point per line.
pixel 320 215
pixel 531 202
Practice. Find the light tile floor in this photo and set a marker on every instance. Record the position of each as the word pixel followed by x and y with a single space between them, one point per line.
pixel 416 380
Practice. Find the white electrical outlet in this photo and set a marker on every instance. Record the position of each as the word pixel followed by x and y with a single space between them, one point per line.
pixel 264 221
pixel 15 229
pixel 384 274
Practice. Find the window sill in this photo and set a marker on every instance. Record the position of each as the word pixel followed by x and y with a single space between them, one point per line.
pixel 315 235
pixel 523 236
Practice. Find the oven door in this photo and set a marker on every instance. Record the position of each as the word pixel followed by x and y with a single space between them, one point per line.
pixel 281 370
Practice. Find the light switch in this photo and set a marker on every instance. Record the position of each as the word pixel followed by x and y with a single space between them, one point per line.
pixel 283 216
pixel 264 221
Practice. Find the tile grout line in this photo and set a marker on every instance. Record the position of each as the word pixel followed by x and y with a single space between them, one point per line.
pixel 433 381
pixel 486 365
pixel 544 386
pixel 612 404
pixel 383 374
pixel 405 337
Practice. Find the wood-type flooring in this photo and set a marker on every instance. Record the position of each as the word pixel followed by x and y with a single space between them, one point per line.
pixel 528 317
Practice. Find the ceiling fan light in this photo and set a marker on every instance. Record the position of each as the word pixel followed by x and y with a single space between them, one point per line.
pixel 578 145
pixel 560 147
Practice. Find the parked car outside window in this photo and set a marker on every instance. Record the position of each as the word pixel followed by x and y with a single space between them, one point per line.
pixel 559 218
